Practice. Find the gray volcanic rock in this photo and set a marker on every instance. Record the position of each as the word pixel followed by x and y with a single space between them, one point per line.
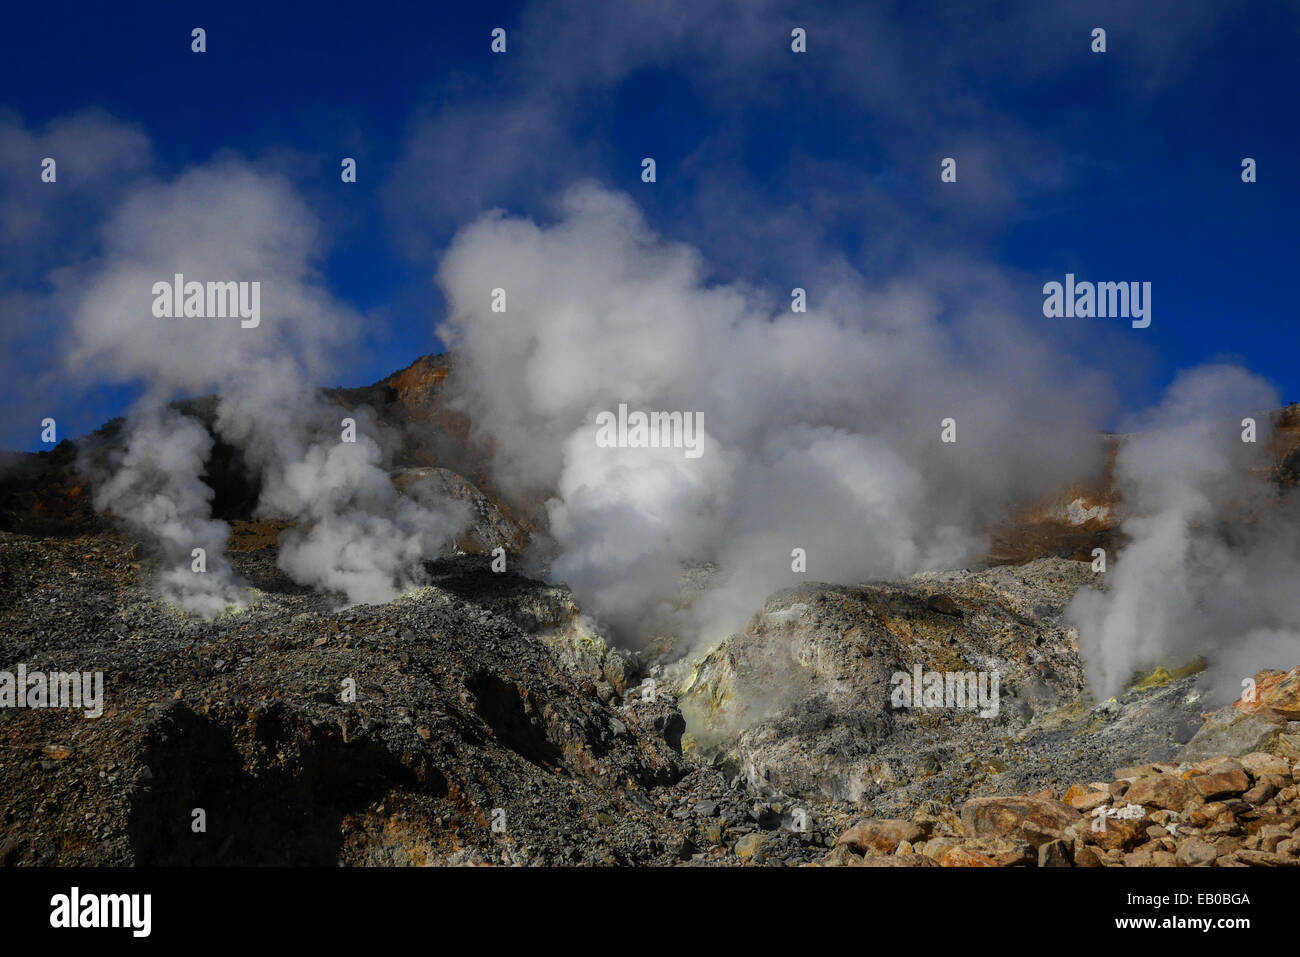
pixel 491 528
pixel 800 702
pixel 1226 731
pixel 458 712
pixel 804 693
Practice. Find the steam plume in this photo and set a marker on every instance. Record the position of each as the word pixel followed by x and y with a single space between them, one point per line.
pixel 822 430
pixel 228 222
pixel 1213 556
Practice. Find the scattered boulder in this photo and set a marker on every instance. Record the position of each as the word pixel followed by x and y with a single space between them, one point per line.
pixel 1229 731
pixel 961 857
pixel 1084 799
pixel 1058 853
pixel 883 836
pixel 1259 763
pixel 1117 835
pixel 1036 820
pixel 1160 791
pixel 750 844
pixel 1221 783
pixel 1195 852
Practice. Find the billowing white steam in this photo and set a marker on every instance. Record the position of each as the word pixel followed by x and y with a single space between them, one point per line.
pixel 356 535
pixel 228 223
pixel 1214 556
pixel 154 484
pixel 822 431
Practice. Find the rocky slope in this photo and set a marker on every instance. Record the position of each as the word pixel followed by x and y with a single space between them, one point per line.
pixel 458 711
pixel 801 700
pixel 480 719
pixel 484 698
pixel 1217 811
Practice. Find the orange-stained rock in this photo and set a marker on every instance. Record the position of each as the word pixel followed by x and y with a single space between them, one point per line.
pixel 937 847
pixel 1085 799
pixel 882 835
pixel 1035 820
pixel 1202 815
pixel 1002 852
pixel 1277 694
pixel 1221 783
pixel 960 857
pixel 1162 791
pixel 1085 856
pixel 1118 834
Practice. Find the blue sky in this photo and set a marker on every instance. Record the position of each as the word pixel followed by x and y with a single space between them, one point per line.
pixel 783 169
